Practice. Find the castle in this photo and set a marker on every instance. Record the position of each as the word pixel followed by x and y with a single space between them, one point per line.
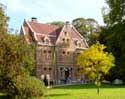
pixel 56 49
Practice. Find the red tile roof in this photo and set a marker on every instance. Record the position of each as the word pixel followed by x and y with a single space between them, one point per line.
pixel 43 28
pixel 52 31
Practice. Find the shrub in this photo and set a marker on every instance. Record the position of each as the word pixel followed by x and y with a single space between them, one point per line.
pixel 29 86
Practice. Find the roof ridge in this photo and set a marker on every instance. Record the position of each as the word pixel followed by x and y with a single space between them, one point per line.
pixel 44 24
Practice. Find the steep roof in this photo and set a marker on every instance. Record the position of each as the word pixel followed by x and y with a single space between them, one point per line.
pixel 39 31
pixel 44 28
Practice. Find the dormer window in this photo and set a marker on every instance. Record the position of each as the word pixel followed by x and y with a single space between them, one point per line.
pixel 47 41
pixel 78 43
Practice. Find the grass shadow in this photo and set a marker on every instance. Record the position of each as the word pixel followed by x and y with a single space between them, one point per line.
pixel 89 86
pixel 52 95
pixel 4 97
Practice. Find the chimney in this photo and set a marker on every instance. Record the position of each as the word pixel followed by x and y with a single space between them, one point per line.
pixel 34 19
pixel 67 23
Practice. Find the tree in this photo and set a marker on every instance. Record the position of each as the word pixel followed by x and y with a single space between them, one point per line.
pixel 96 62
pixel 89 28
pixel 113 36
pixel 17 64
pixel 115 13
pixel 57 23
pixel 3 19
pixel 16 58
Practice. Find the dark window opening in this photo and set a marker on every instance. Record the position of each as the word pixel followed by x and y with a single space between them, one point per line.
pixel 44 51
pixel 61 74
pixel 63 39
pixel 77 53
pixel 65 32
pixel 61 68
pixel 67 40
pixel 49 51
pixel 50 68
pixel 68 52
pixel 45 68
pixel 63 52
pixel 71 69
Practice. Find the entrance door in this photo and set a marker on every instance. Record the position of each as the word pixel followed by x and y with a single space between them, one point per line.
pixel 66 74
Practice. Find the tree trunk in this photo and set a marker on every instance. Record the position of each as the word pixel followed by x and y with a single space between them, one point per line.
pixel 98 89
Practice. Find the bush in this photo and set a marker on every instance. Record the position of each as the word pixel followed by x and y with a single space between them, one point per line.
pixel 29 87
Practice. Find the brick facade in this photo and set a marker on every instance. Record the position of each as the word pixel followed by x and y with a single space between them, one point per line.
pixel 56 49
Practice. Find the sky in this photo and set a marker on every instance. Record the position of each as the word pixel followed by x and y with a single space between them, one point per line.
pixel 52 10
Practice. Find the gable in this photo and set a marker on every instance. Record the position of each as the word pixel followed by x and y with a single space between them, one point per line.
pixel 72 35
pixel 56 35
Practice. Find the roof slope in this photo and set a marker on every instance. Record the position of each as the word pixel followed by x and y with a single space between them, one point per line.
pixel 40 31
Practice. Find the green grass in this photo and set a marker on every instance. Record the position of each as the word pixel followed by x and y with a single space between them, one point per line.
pixel 84 92
pixel 3 96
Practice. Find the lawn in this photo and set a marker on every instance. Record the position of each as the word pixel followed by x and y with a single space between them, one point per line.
pixel 84 92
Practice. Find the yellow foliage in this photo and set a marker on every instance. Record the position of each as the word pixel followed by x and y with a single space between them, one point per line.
pixel 95 60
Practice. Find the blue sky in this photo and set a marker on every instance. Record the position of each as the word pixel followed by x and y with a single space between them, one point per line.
pixel 52 10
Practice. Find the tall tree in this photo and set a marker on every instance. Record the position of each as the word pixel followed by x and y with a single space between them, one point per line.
pixel 89 28
pixel 95 62
pixel 57 23
pixel 3 19
pixel 17 64
pixel 113 35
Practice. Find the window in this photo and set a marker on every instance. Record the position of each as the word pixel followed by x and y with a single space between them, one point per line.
pixel 77 53
pixel 44 51
pixel 63 39
pixel 67 40
pixel 79 44
pixel 49 51
pixel 50 69
pixel 61 68
pixel 45 68
pixel 65 32
pixel 47 41
pixel 68 52
pixel 63 52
